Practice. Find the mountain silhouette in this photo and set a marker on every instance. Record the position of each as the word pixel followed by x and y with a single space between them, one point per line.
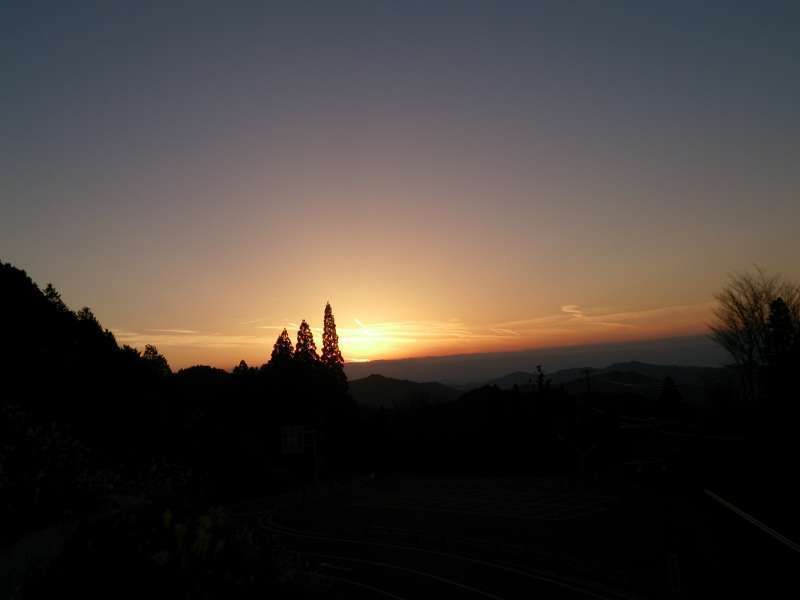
pixel 467 371
pixel 378 391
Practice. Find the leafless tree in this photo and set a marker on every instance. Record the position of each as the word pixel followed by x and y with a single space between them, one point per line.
pixel 741 320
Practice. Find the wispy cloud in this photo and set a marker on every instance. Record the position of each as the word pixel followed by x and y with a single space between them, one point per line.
pixel 363 340
pixel 504 331
pixel 574 310
pixel 252 321
pixel 178 331
pixel 574 317
pixel 575 313
pixel 186 338
pixel 277 327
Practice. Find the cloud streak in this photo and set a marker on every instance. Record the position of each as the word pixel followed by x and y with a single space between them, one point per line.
pixel 362 340
pixel 176 331
pixel 170 338
pixel 573 316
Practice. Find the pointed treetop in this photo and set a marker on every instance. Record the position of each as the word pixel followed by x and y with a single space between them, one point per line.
pixel 306 349
pixel 282 351
pixel 242 368
pixel 331 355
pixel 51 293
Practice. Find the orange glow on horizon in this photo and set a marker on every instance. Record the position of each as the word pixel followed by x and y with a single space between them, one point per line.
pixel 362 340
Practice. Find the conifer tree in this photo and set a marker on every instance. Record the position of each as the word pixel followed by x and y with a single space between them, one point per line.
pixel 155 360
pixel 282 351
pixel 241 369
pixel 51 293
pixel 780 336
pixel 331 356
pixel 306 350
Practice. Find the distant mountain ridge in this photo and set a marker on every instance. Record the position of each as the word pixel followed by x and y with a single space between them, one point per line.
pixel 631 377
pixel 466 371
pixel 630 373
pixel 379 391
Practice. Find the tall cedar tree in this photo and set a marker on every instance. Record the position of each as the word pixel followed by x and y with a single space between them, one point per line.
pixel 331 356
pixel 282 351
pixel 306 349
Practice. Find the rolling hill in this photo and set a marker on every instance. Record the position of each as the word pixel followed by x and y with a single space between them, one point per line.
pixel 467 371
pixel 379 391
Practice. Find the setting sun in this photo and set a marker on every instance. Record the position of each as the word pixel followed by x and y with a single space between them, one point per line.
pixel 396 299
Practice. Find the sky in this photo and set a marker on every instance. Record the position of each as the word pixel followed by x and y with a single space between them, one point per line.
pixel 453 177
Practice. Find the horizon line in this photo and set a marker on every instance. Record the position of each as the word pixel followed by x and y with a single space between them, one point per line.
pixel 533 349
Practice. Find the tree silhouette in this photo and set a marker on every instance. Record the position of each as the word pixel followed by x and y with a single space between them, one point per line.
pixel 156 361
pixel 783 357
pixel 742 321
pixel 52 295
pixel 241 368
pixel 85 315
pixel 331 356
pixel 306 350
pixel 542 384
pixel 782 335
pixel 282 351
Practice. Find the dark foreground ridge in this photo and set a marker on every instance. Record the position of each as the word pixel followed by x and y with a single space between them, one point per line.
pixel 120 477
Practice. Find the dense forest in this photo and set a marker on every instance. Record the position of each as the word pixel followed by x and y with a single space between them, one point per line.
pixel 149 464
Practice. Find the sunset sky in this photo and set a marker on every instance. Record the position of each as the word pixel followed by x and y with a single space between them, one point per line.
pixel 453 177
